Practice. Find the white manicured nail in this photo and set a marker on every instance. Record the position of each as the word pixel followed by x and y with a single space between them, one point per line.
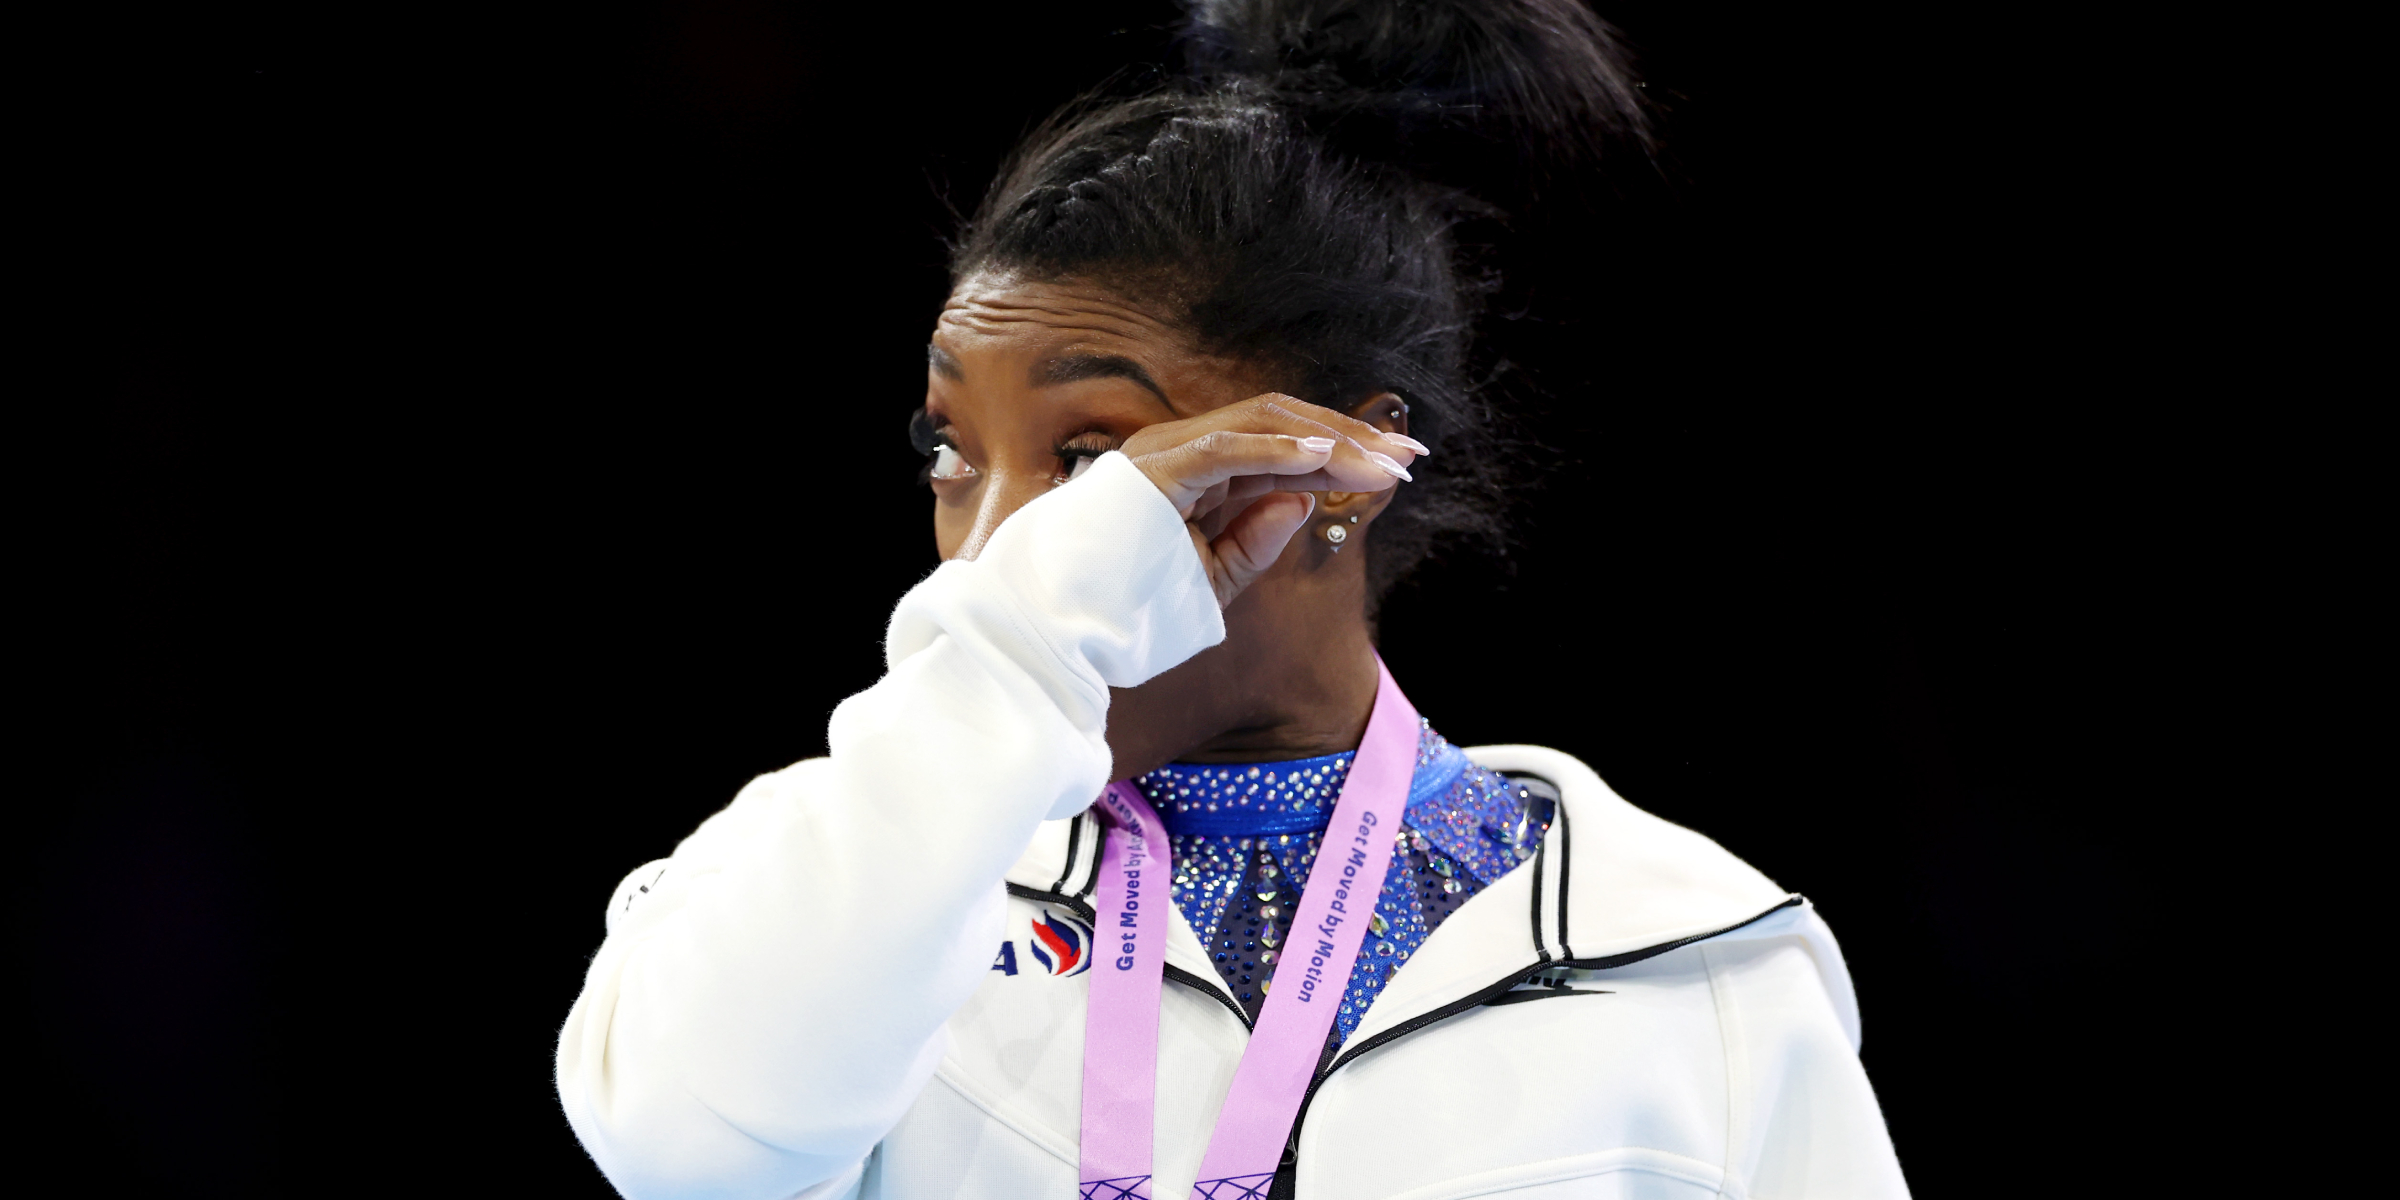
pixel 1317 445
pixel 1390 466
pixel 1407 441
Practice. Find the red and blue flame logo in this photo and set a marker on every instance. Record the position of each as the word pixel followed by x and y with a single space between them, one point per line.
pixel 1061 944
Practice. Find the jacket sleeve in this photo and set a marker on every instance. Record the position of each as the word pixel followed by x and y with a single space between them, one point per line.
pixel 1806 1125
pixel 770 999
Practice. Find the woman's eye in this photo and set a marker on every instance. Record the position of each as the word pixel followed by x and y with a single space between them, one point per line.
pixel 1083 462
pixel 948 463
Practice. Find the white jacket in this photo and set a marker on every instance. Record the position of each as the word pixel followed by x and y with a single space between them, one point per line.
pixel 809 999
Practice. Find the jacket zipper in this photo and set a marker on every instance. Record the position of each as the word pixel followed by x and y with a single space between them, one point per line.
pixel 1076 905
pixel 1186 978
pixel 1291 1150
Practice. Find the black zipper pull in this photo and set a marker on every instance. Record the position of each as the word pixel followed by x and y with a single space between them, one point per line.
pixel 1286 1184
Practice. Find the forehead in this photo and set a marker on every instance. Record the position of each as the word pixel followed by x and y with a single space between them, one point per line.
pixel 995 329
pixel 987 312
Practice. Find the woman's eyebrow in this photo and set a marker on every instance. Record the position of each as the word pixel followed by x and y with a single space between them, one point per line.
pixel 1074 368
pixel 942 364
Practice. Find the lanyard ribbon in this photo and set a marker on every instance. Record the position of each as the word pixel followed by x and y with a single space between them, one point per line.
pixel 1120 1054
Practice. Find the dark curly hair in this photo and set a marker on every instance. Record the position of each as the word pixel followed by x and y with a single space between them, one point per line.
pixel 1295 200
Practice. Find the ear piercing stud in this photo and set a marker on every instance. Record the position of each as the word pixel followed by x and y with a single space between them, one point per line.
pixel 1336 534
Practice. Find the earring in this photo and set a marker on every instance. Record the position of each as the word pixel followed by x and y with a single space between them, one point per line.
pixel 1336 535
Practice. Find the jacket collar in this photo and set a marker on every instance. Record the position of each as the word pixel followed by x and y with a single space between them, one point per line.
pixel 1610 884
pixel 1063 866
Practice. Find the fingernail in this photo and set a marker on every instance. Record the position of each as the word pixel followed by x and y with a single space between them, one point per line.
pixel 1407 441
pixel 1390 467
pixel 1317 445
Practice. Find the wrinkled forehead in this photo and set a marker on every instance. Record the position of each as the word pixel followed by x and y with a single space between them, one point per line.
pixel 988 307
pixel 1061 332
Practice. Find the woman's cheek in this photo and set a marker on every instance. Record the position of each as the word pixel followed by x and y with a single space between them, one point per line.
pixel 953 518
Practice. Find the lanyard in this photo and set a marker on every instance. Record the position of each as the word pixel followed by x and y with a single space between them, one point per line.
pixel 1120 1051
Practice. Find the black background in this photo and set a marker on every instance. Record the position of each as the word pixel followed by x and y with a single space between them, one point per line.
pixel 479 451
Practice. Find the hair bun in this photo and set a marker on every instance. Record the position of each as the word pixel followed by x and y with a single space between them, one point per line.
pixel 1547 80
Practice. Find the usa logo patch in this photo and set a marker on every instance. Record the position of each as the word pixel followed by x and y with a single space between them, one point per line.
pixel 1062 944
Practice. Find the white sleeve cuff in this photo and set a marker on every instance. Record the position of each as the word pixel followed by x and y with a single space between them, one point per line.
pixel 1099 576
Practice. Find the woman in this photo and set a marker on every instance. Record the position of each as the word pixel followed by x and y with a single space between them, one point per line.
pixel 1197 398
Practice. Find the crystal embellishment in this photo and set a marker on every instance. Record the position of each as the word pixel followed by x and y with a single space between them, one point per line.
pixel 1465 830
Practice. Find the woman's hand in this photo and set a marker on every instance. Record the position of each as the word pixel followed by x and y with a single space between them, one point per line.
pixel 1255 462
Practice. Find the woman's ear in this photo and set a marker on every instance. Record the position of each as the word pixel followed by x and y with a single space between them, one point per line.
pixel 1385 411
pixel 1343 516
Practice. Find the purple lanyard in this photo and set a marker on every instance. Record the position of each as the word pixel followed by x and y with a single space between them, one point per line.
pixel 1120 1047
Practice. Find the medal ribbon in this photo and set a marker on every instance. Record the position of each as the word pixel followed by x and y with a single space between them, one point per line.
pixel 1120 1063
pixel 1120 1028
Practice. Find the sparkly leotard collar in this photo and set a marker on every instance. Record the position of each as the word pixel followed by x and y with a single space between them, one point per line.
pixel 1244 838
pixel 1291 796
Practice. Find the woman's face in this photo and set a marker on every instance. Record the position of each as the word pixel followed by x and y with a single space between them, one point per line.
pixel 1026 383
